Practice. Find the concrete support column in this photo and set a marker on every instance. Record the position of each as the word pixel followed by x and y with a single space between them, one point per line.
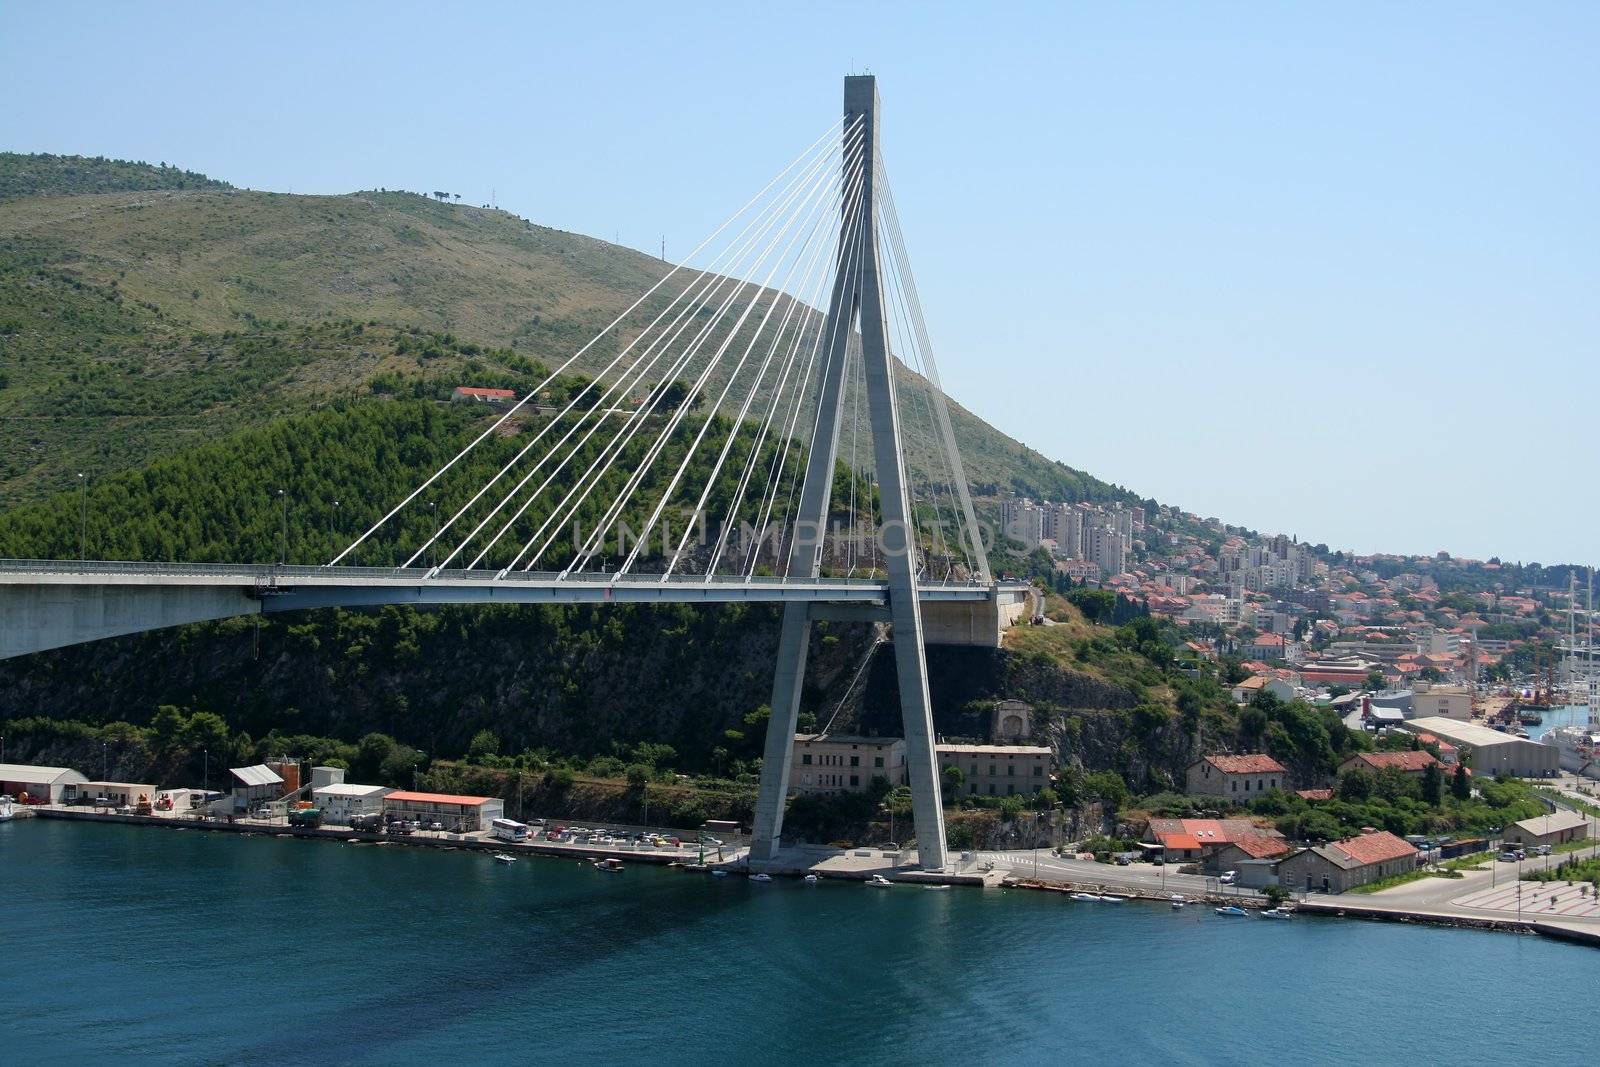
pixel 794 642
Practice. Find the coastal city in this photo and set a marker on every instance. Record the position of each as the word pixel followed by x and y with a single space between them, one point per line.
pixel 865 533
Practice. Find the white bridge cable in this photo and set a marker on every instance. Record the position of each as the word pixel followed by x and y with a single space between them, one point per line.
pixel 841 329
pixel 895 299
pixel 782 390
pixel 603 408
pixel 803 156
pixel 845 328
pixel 809 277
pixel 803 215
pixel 578 493
pixel 931 371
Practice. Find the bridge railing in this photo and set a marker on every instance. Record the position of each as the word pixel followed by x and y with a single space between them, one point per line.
pixel 273 572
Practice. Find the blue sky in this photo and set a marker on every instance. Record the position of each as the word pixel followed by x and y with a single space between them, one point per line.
pixel 1328 270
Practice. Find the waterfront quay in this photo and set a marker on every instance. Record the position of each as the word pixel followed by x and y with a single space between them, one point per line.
pixel 793 862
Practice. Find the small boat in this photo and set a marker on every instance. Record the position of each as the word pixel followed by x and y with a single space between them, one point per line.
pixel 1231 910
pixel 936 887
pixel 761 877
pixel 501 857
pixel 812 879
pixel 1178 902
pixel 7 812
pixel 1277 913
pixel 719 873
pixel 610 863
pixel 879 881
pixel 1092 898
pixel 1108 899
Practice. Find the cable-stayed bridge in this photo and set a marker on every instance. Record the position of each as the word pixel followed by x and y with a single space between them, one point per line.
pixel 765 424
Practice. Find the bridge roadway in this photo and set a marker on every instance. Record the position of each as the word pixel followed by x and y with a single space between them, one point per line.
pixel 50 603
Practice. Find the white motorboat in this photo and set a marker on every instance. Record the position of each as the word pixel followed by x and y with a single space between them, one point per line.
pixel 812 879
pixel 1106 898
pixel 719 873
pixel 1178 902
pixel 879 881
pixel 501 857
pixel 1277 913
pixel 7 812
pixel 936 887
pixel 761 877
pixel 1092 898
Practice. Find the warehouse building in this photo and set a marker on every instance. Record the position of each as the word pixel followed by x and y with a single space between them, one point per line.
pixel 42 785
pixel 1557 828
pixel 1340 866
pixel 1492 752
pixel 456 813
pixel 340 801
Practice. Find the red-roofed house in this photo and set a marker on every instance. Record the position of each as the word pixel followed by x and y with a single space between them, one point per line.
pixel 1343 865
pixel 1238 777
pixel 1248 850
pixel 1187 840
pixel 1404 762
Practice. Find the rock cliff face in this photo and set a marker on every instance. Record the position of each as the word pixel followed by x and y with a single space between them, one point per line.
pixel 1152 758
pixel 960 677
pixel 575 680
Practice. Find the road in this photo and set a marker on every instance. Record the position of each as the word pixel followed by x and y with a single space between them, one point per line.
pixel 1146 877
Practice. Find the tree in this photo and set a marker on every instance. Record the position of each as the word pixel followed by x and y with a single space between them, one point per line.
pixel 1460 784
pixel 484 743
pixel 638 775
pixel 1375 679
pixel 1108 786
pixel 1355 786
pixel 1433 785
pixel 1097 605
pixel 951 781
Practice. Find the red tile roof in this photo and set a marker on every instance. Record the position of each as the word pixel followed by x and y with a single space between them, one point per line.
pixel 1376 847
pixel 1260 846
pixel 1404 761
pixel 437 798
pixel 1255 764
pixel 1314 794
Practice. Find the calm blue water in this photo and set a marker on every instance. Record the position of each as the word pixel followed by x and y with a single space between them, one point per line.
pixel 187 948
pixel 1571 715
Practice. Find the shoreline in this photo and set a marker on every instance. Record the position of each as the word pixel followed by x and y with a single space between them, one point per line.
pixel 681 859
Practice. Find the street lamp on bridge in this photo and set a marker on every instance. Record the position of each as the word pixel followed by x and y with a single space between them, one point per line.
pixel 283 497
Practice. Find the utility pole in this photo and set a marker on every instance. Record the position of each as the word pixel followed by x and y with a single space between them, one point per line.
pixel 83 517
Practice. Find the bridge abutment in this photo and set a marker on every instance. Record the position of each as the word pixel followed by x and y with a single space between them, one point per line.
pixel 38 617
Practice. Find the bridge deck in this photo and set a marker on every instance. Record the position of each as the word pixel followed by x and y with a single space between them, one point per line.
pixel 295 587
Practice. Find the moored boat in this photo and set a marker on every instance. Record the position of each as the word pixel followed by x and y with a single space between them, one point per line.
pixel 1276 913
pixel 878 881
pixel 762 877
pixel 1087 897
pixel 1231 910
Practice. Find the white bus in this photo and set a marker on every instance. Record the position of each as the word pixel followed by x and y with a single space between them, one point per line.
pixel 509 830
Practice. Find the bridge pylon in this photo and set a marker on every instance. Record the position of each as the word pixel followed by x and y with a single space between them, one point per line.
pixel 857 304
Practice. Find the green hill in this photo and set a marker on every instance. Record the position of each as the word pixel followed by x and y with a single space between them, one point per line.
pixel 163 314
pixel 43 174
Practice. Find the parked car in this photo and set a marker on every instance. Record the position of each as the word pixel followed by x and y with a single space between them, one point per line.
pixel 1540 850
pixel 1508 857
pixel 1228 877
